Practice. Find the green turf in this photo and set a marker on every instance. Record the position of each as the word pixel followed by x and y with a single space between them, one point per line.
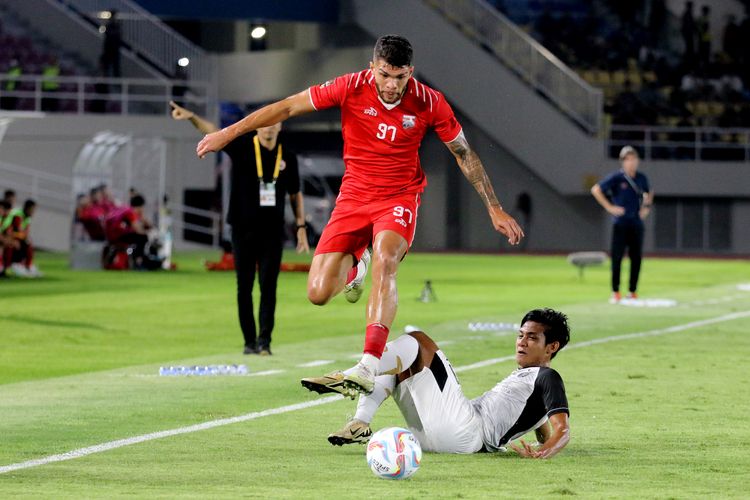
pixel 662 416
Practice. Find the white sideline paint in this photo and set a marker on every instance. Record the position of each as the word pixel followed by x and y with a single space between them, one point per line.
pixel 265 373
pixel 317 362
pixel 111 445
pixel 615 338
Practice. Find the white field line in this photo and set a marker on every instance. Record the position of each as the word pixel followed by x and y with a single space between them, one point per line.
pixel 111 445
pixel 317 362
pixel 627 336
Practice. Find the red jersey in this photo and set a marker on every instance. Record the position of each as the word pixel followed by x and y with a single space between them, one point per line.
pixel 120 221
pixel 381 141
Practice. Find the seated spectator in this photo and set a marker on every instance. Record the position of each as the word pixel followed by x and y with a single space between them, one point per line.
pixel 19 255
pixel 91 213
pixel 108 201
pixel 5 241
pixel 125 226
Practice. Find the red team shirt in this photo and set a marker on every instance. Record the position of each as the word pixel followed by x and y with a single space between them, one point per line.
pixel 383 179
pixel 381 145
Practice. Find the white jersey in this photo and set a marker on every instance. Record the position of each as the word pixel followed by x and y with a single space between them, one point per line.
pixel 444 420
pixel 520 403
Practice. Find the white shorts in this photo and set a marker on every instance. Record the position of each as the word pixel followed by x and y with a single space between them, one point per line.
pixel 437 412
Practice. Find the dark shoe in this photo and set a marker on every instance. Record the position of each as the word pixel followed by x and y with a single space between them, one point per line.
pixel 250 349
pixel 264 350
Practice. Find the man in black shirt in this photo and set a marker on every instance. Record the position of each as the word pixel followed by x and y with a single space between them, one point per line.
pixel 263 172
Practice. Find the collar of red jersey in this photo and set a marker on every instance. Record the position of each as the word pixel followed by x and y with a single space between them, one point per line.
pixel 387 105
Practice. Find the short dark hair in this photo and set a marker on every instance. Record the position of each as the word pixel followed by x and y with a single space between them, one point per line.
pixel 9 193
pixel 137 201
pixel 393 49
pixel 5 204
pixel 557 326
pixel 28 204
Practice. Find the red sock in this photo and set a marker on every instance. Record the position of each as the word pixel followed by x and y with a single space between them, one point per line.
pixel 376 336
pixel 351 275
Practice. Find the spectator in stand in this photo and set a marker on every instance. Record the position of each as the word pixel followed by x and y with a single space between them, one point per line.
pixel 10 197
pixel 19 255
pixel 126 226
pixel 625 108
pixel 50 84
pixel 704 37
pixel 731 40
pixel 688 30
pixel 11 85
pixel 111 51
pixel 5 241
pixel 657 22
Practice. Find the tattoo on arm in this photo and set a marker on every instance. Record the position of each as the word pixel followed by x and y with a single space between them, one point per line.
pixel 473 170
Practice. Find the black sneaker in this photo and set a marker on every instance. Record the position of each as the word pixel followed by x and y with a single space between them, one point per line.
pixel 264 350
pixel 250 349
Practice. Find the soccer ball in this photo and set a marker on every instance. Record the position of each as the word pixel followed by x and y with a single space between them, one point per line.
pixel 394 453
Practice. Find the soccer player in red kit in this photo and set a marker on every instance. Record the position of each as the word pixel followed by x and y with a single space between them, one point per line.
pixel 385 114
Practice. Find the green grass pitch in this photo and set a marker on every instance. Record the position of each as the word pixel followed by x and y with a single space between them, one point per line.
pixel 662 416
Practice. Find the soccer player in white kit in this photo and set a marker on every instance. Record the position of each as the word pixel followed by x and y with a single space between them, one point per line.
pixel 426 390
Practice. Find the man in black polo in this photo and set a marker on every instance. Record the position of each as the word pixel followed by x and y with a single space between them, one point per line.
pixel 263 173
pixel 626 195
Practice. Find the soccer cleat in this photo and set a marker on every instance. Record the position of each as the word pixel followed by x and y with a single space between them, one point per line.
pixel 250 349
pixel 331 382
pixel 355 431
pixel 616 297
pixel 632 296
pixel 361 379
pixel 353 290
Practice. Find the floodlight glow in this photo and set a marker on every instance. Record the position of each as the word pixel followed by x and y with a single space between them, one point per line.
pixel 183 62
pixel 105 14
pixel 258 32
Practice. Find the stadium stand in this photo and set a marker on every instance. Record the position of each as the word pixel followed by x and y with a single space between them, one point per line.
pixel 639 58
pixel 24 52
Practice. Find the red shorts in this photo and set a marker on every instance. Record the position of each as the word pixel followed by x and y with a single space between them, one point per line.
pixel 354 224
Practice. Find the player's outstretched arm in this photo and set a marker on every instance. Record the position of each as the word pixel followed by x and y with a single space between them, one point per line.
pixel 179 113
pixel 298 104
pixel 554 441
pixel 474 172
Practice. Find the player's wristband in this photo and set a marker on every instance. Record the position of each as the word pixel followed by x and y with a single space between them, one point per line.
pixel 301 226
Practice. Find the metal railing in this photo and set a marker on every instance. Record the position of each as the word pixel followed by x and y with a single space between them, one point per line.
pixel 210 228
pixel 681 143
pixel 82 94
pixel 526 57
pixel 48 190
pixel 146 35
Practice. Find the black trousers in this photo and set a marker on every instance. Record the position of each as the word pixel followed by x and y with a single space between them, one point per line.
pixel 261 249
pixel 627 235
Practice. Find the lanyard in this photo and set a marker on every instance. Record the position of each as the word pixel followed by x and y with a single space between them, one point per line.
pixel 635 187
pixel 259 161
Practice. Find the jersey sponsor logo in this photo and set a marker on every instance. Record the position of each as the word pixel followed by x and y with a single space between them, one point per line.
pixel 408 121
pixel 401 221
pixel 371 111
pixel 326 84
pixel 623 185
